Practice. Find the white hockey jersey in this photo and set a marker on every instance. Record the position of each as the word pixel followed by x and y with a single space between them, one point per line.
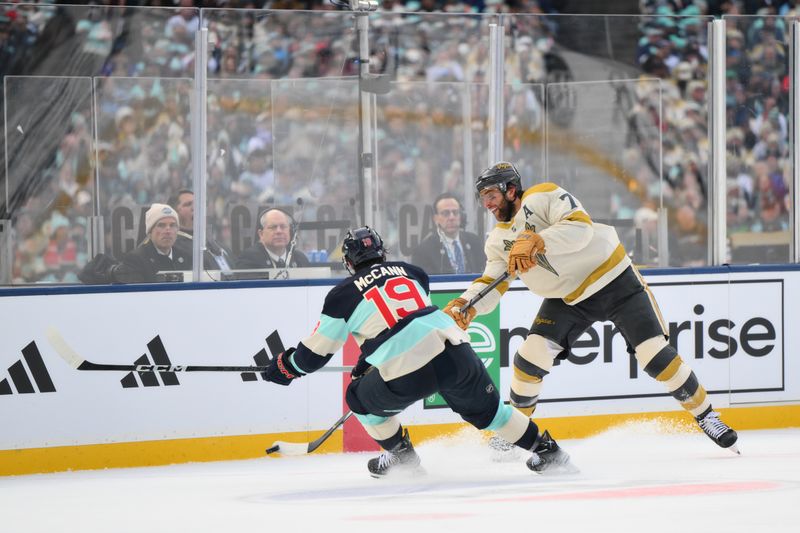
pixel 581 257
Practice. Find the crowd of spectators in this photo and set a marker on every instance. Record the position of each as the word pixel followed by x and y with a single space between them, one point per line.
pixel 757 105
pixel 268 146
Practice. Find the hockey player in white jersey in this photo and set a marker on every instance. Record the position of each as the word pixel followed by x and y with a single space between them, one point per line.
pixel 409 350
pixel 546 237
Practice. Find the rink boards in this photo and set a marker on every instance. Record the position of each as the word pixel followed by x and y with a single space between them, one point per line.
pixel 737 328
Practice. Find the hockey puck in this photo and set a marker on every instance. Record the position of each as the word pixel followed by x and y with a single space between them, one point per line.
pixel 273 449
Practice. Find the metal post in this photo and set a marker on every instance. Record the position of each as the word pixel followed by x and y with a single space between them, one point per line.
pixel 366 157
pixel 199 150
pixel 663 218
pixel 97 242
pixel 5 252
pixel 496 120
pixel 794 143
pixel 717 175
pixel 468 171
pixel 496 81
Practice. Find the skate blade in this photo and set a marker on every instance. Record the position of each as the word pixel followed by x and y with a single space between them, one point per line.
pixel 410 472
pixel 559 470
pixel 734 449
pixel 511 456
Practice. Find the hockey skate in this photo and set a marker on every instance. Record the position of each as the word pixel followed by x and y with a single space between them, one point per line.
pixel 549 458
pixel 718 431
pixel 400 459
pixel 503 451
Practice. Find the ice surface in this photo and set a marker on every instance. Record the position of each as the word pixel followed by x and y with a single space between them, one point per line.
pixel 633 479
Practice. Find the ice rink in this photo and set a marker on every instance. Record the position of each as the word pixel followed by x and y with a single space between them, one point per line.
pixel 633 479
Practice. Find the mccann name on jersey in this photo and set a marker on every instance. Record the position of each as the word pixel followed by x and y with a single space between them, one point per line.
pixel 362 282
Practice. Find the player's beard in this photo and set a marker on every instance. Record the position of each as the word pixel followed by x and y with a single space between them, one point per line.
pixel 504 211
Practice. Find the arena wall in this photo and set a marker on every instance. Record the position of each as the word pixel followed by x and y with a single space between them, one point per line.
pixel 735 326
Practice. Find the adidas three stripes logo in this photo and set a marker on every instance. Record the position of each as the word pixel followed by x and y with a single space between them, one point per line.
pixel 21 376
pixel 150 379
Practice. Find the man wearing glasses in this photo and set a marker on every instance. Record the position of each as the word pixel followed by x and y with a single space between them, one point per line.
pixel 274 247
pixel 450 249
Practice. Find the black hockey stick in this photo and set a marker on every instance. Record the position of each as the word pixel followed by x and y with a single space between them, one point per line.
pixel 303 448
pixel 76 361
pixel 484 291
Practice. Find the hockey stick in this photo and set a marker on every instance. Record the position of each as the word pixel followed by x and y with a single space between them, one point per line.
pixel 76 361
pixel 303 448
pixel 486 290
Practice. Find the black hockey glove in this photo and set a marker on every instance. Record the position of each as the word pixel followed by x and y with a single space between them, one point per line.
pixel 280 369
pixel 361 368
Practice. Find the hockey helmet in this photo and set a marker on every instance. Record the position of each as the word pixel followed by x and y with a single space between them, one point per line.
pixel 499 176
pixel 361 245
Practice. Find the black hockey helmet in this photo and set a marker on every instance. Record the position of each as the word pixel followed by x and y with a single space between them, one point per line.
pixel 499 176
pixel 360 246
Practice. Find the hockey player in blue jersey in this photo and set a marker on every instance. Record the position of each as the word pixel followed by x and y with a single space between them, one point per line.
pixel 409 350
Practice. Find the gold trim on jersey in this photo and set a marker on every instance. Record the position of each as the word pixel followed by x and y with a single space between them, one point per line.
pixel 653 302
pixel 579 216
pixel 542 187
pixel 607 265
pixel 501 288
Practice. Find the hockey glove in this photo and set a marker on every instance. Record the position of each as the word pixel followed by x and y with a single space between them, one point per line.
pixel 280 369
pixel 361 368
pixel 453 308
pixel 522 256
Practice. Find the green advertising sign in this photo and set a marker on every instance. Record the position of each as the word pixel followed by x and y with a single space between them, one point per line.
pixel 483 335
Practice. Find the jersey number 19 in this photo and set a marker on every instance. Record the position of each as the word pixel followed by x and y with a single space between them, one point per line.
pixel 398 290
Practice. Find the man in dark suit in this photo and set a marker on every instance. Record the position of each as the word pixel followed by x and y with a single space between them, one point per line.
pixel 157 252
pixel 275 234
pixel 449 250
pixel 215 257
pixel 142 264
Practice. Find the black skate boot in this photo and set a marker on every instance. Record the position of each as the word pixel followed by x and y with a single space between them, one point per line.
pixel 401 458
pixel 717 430
pixel 548 457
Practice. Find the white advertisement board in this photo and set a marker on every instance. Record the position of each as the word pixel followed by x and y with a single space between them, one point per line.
pixel 734 329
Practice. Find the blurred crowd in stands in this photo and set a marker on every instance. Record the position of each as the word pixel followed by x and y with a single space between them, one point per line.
pixel 268 143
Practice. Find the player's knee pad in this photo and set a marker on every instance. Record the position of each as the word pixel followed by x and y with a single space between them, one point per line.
pixel 352 401
pixel 655 355
pixel 535 355
pixel 532 363
pixel 483 409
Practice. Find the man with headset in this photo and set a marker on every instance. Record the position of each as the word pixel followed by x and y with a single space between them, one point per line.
pixel 275 246
pixel 449 249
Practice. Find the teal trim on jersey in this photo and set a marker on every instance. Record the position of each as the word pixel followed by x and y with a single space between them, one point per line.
pixel 361 314
pixel 333 328
pixel 371 420
pixel 295 365
pixel 425 296
pixel 501 417
pixel 409 336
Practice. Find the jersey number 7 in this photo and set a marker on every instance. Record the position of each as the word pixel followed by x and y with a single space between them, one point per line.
pixel 397 290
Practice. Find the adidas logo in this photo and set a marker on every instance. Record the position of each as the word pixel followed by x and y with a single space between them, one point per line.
pixel 275 346
pixel 21 376
pixel 150 379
